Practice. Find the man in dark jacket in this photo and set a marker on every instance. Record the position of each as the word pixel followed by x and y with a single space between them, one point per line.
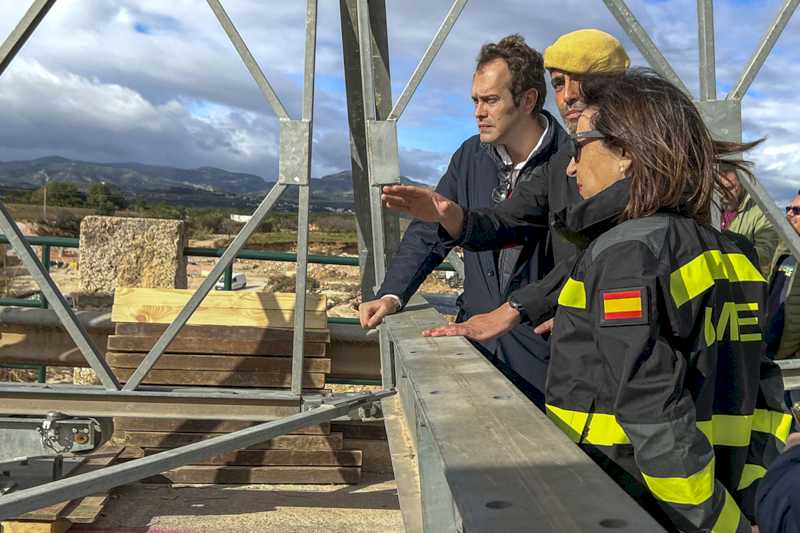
pixel 516 136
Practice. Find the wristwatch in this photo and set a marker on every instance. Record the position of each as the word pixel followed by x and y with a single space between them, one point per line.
pixel 519 308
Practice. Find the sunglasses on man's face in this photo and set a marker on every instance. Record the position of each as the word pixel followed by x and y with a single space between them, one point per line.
pixel 793 210
pixel 581 139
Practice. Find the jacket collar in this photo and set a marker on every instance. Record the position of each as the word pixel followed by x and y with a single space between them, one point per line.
pixel 583 222
pixel 547 145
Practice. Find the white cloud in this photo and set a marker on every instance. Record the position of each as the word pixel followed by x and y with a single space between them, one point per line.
pixel 159 82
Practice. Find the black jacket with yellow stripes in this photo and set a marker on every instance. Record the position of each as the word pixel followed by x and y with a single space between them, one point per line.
pixel 657 361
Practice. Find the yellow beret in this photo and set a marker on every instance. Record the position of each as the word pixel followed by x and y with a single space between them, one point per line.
pixel 587 52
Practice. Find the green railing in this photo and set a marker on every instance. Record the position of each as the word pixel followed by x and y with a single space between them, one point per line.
pixel 38 301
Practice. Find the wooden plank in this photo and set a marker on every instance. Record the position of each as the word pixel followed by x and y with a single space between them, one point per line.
pixel 86 510
pixel 201 345
pixel 333 441
pixel 353 429
pixel 276 457
pixel 260 474
pixel 182 425
pixel 136 296
pixel 221 333
pixel 99 458
pixel 45 514
pixel 13 526
pixel 216 316
pixel 315 380
pixel 227 363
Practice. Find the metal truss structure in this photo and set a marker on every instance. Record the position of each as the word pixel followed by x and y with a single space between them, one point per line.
pixel 482 457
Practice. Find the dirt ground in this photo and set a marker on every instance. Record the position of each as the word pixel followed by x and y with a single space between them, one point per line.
pixel 370 506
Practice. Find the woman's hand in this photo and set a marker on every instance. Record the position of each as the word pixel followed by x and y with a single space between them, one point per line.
pixel 480 327
pixel 426 205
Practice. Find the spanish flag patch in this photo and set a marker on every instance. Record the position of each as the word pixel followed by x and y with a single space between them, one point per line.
pixel 624 307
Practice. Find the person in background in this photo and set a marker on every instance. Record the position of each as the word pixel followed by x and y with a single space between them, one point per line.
pixel 783 304
pixel 741 215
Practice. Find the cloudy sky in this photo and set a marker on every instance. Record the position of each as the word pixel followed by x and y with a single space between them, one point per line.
pixel 158 82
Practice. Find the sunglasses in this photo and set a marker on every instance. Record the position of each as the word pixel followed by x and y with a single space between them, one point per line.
pixel 793 210
pixel 581 139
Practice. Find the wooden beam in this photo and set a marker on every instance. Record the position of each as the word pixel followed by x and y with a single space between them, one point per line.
pixel 311 380
pixel 277 457
pixel 227 363
pixel 200 345
pixel 182 425
pixel 330 442
pixel 221 333
pixel 216 316
pixel 260 474
pixel 134 297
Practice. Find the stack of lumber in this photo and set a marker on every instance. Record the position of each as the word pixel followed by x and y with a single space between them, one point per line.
pixel 61 516
pixel 234 339
pixel 312 455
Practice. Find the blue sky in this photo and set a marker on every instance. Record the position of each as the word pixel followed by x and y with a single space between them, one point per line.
pixel 159 82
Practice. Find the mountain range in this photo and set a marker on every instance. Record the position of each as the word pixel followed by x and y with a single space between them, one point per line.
pixel 199 187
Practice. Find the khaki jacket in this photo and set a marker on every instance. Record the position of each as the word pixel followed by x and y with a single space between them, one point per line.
pixel 753 224
pixel 790 339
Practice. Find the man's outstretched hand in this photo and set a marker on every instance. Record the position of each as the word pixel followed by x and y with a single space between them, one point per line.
pixel 480 327
pixel 426 205
pixel 372 313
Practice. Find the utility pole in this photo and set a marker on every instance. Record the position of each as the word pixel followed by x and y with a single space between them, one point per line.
pixel 45 179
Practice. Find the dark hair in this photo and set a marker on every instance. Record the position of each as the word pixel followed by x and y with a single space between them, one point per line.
pixel 525 63
pixel 675 162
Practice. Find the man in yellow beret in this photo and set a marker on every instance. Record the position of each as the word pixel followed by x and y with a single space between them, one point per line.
pixel 578 54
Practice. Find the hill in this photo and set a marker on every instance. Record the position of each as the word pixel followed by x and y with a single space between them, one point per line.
pixel 199 187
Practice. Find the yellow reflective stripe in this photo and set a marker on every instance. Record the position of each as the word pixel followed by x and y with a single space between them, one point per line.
pixel 604 430
pixel 699 274
pixel 692 490
pixel 776 423
pixel 750 474
pixel 573 294
pixel 727 430
pixel 570 422
pixel 622 305
pixel 729 518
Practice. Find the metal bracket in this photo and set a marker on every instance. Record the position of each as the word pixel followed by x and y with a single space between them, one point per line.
pixel 295 148
pixel 383 155
pixel 723 118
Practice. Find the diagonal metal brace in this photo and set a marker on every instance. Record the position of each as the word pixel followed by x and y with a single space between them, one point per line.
pixel 53 295
pixel 114 476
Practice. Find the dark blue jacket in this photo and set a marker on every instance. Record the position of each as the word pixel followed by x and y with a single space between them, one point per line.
pixel 778 498
pixel 474 171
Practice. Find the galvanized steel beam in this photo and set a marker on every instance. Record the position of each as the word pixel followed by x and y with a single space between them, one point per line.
pixel 148 402
pixel 763 49
pixel 705 44
pixel 427 58
pixel 20 34
pixel 107 478
pixel 248 59
pixel 643 42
